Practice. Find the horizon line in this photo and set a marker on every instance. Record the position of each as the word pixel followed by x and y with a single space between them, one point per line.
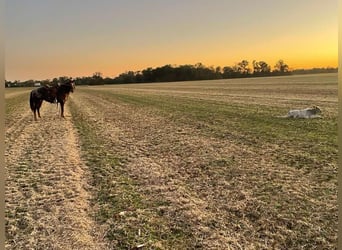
pixel 113 77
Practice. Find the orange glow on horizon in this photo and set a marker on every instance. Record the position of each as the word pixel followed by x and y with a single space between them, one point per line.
pixel 110 66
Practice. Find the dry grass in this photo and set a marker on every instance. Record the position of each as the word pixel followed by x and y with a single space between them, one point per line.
pixel 47 202
pixel 203 165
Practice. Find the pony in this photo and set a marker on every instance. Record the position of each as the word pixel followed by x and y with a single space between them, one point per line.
pixel 52 94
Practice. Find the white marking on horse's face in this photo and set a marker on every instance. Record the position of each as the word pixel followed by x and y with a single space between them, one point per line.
pixel 73 86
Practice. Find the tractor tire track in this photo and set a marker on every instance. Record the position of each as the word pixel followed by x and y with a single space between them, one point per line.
pixel 47 192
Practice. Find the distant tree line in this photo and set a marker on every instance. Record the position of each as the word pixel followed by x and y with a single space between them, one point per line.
pixel 315 70
pixel 170 73
pixel 34 83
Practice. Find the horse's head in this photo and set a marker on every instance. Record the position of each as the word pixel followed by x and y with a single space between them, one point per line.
pixel 73 85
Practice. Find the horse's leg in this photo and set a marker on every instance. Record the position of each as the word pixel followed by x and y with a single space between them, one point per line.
pixel 34 114
pixel 39 104
pixel 62 109
pixel 33 102
pixel 34 109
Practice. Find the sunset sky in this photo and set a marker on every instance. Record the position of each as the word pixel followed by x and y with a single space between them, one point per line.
pixel 52 38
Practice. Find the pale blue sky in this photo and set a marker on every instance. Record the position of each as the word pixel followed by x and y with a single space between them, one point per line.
pixel 51 38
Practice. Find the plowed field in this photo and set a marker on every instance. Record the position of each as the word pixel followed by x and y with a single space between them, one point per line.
pixel 188 165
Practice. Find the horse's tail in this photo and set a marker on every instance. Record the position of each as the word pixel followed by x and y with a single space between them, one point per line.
pixel 32 104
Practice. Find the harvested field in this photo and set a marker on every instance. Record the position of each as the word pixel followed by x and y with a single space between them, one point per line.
pixel 188 165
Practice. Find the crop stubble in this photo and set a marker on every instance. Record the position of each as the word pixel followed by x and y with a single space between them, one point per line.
pixel 195 166
pixel 46 184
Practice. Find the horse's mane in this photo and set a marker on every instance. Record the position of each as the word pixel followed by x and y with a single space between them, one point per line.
pixel 66 87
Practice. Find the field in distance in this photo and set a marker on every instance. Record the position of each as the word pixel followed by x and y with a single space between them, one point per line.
pixel 203 164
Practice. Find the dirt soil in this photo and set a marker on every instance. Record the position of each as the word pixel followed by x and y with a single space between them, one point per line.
pixel 215 192
pixel 214 186
pixel 47 194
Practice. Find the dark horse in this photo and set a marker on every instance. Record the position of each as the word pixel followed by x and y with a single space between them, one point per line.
pixel 53 94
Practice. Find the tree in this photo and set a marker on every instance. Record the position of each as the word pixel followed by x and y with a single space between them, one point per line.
pixel 265 68
pixel 147 75
pixel 243 67
pixel 127 77
pixel 64 79
pixel 256 67
pixel 45 82
pixel 227 72
pixel 218 72
pixel 261 68
pixel 96 79
pixel 97 75
pixel 281 66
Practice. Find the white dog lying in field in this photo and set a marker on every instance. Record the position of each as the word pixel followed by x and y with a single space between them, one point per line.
pixel 304 113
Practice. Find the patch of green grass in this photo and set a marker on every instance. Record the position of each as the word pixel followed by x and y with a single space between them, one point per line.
pixel 308 145
pixel 313 140
pixel 220 117
pixel 131 218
